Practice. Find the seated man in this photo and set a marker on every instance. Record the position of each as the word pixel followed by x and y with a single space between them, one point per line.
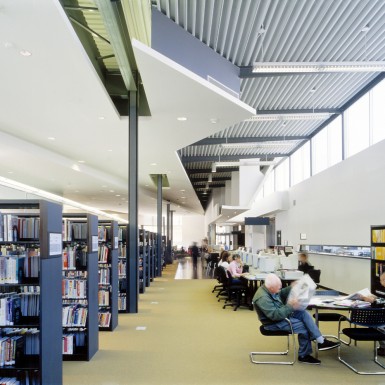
pixel 272 301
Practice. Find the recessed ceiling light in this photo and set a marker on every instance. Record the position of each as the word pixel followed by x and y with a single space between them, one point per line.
pixel 112 191
pixel 181 118
pixel 365 29
pixel 183 190
pixel 109 150
pixel 213 120
pixel 183 197
pixel 312 90
pixel 51 138
pixel 10 172
pixel 101 117
pixel 25 53
pixel 153 164
pixel 81 161
pixel 75 167
pixel 117 195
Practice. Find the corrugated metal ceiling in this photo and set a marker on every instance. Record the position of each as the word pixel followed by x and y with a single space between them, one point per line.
pixel 249 31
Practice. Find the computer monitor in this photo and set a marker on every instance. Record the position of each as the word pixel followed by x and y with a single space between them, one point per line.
pixel 255 262
pixel 289 263
pixel 268 264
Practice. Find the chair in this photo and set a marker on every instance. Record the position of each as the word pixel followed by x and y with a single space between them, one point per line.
pixel 219 278
pixel 236 293
pixel 330 317
pixel 368 319
pixel 315 275
pixel 276 333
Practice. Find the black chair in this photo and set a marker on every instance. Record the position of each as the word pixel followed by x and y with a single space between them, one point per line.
pixel 276 333
pixel 219 278
pixel 237 294
pixel 367 320
pixel 330 316
pixel 315 275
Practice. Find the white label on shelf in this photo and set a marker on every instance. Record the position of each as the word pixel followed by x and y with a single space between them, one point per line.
pixel 116 242
pixel 55 243
pixel 94 243
pixel 141 327
pixel 154 303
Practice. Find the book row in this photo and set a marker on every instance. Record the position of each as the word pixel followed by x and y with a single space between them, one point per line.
pixel 74 315
pixel 104 276
pixel 13 269
pixel 13 228
pixel 74 288
pixel 104 319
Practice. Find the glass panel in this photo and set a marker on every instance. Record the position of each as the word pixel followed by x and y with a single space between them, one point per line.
pixel 268 187
pixel 300 164
pixel 282 176
pixel 320 151
pixel 357 126
pixel 378 109
pixel 335 141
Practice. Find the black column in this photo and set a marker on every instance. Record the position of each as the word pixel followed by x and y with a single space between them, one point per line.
pixel 132 272
pixel 159 228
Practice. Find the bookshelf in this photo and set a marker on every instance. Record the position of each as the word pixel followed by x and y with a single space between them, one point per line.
pixel 377 245
pixel 108 239
pixel 122 269
pixel 142 261
pixel 30 267
pixel 80 287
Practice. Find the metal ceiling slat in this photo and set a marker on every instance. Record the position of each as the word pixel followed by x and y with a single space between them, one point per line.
pixel 344 30
pixel 249 31
pixel 207 27
pixel 225 27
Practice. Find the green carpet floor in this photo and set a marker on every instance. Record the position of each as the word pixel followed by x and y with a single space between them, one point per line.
pixel 182 336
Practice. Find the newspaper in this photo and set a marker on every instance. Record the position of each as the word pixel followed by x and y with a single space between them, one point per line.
pixel 302 291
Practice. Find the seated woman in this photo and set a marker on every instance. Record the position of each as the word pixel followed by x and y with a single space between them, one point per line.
pixel 303 263
pixel 225 259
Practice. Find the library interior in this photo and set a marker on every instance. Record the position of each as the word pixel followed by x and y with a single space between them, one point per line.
pixel 191 192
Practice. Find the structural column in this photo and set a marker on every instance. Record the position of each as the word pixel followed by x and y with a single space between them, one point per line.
pixel 159 228
pixel 132 272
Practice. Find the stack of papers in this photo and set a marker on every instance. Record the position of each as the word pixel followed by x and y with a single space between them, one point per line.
pixel 352 303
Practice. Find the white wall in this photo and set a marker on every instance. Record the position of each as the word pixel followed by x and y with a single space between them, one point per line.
pixel 337 207
pixel 193 229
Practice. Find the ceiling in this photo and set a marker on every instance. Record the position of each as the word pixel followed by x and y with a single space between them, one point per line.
pixel 63 120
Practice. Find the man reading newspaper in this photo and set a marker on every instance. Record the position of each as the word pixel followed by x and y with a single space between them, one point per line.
pixel 276 305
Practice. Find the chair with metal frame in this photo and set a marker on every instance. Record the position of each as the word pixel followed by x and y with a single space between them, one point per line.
pixel 275 333
pixel 330 316
pixel 367 320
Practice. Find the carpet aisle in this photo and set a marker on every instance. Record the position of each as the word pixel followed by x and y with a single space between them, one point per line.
pixel 186 338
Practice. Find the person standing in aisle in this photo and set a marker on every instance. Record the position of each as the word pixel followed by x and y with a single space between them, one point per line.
pixel 195 256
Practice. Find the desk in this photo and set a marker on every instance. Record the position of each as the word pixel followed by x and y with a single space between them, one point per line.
pixel 256 278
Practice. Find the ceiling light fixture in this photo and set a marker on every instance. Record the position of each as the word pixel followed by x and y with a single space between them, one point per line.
pixel 213 168
pixel 25 53
pixel 277 117
pixel 181 118
pixel 247 162
pixel 56 198
pixel 256 144
pixel 319 67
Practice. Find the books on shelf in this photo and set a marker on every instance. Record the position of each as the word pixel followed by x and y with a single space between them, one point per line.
pixel 378 235
pixel 74 288
pixel 104 319
pixel 74 315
